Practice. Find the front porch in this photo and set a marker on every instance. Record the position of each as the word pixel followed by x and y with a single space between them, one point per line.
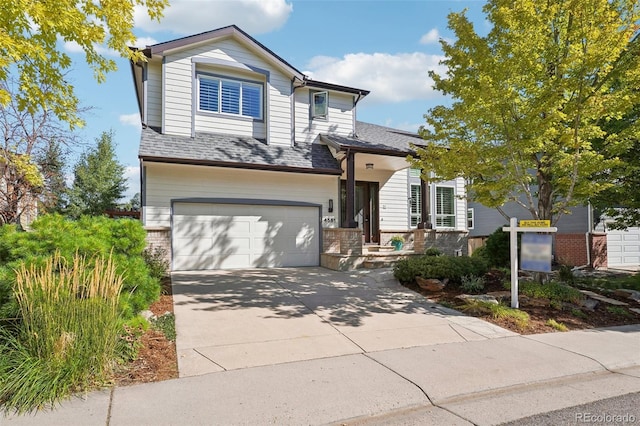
pixel 343 248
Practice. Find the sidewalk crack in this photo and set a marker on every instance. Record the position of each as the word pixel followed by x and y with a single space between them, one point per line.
pixel 111 393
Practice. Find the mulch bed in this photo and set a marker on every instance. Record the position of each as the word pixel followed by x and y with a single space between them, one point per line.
pixel 539 310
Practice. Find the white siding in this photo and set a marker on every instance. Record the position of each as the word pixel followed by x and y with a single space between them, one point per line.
pixel 394 207
pixel 339 121
pixel 154 94
pixel 165 182
pixel 178 93
pixel 461 205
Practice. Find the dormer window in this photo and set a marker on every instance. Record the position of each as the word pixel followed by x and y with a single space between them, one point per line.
pixel 229 96
pixel 319 104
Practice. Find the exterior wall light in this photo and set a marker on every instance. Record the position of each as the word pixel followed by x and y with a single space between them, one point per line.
pixel 369 166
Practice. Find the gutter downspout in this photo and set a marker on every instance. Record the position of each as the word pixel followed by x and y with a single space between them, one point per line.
pixel 586 238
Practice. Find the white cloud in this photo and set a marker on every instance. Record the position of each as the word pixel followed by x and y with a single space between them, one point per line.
pixel 193 16
pixel 130 119
pixel 142 42
pixel 74 47
pixel 132 174
pixel 390 77
pixel 431 37
pixel 404 125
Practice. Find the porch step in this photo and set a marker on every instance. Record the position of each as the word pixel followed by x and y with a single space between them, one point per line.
pixel 375 262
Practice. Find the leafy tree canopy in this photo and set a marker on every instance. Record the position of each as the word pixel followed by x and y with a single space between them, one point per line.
pixel 529 98
pixel 30 32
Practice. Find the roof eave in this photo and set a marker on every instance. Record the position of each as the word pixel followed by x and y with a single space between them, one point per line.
pixel 251 166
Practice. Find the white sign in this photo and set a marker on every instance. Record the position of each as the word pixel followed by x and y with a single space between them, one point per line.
pixel 535 252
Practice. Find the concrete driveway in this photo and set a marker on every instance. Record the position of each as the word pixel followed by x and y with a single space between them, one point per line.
pixel 236 319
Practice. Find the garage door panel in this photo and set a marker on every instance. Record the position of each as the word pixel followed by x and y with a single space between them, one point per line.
pixel 623 248
pixel 225 236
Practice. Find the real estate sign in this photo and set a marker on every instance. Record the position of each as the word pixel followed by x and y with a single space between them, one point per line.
pixel 535 252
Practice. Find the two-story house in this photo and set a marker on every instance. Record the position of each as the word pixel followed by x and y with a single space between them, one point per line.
pixel 245 160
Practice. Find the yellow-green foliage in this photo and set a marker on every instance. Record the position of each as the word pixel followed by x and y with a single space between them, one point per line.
pixel 30 36
pixel 556 325
pixel 67 336
pixel 497 311
pixel 530 97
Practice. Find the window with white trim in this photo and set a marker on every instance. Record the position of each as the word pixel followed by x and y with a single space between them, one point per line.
pixel 228 96
pixel 319 104
pixel 416 205
pixel 445 207
pixel 470 218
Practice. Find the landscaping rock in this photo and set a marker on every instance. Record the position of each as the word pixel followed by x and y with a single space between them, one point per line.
pixel 589 304
pixel 148 315
pixel 631 294
pixel 480 297
pixel 636 310
pixel 500 295
pixel 430 284
pixel 603 299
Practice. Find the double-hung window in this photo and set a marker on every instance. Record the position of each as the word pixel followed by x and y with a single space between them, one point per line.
pixel 445 207
pixel 416 205
pixel 470 218
pixel 228 96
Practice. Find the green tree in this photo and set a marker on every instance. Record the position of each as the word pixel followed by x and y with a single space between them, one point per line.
pixel 528 99
pixel 53 198
pixel 622 200
pixel 31 33
pixel 99 180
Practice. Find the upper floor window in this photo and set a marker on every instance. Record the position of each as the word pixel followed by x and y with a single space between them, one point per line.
pixel 470 218
pixel 230 96
pixel 445 207
pixel 319 104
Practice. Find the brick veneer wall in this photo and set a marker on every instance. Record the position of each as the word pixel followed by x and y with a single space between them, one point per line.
pixel 448 242
pixel 342 240
pixel 599 250
pixel 571 249
pixel 160 237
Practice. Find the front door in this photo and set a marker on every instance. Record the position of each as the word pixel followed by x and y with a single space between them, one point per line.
pixel 366 205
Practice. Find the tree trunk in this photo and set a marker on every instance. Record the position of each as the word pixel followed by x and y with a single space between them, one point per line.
pixel 544 196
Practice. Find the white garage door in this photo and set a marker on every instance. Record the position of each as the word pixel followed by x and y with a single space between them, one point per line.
pixel 227 236
pixel 623 248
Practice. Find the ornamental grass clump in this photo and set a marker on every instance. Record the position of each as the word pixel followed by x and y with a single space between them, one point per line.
pixel 67 334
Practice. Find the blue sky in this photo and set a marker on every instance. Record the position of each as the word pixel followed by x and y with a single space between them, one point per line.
pixel 386 47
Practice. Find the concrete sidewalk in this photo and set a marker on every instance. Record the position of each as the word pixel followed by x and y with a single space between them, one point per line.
pixel 479 376
pixel 480 382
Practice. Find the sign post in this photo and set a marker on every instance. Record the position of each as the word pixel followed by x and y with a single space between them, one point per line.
pixel 536 250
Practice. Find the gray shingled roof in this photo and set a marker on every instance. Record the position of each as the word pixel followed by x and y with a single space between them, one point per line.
pixel 229 149
pixel 372 137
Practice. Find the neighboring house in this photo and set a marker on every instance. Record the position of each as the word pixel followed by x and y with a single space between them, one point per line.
pixel 247 162
pixel 16 202
pixel 583 237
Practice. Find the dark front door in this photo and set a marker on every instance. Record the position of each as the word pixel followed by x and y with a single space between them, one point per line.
pixel 366 209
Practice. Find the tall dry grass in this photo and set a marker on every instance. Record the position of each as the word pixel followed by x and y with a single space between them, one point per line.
pixel 67 339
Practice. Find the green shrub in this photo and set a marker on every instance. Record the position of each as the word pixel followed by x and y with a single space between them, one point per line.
pixel 553 291
pixel 565 273
pixel 167 325
pixel 124 239
pixel 497 249
pixel 472 284
pixel 439 267
pixel 67 338
pixel 432 251
pixel 156 260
